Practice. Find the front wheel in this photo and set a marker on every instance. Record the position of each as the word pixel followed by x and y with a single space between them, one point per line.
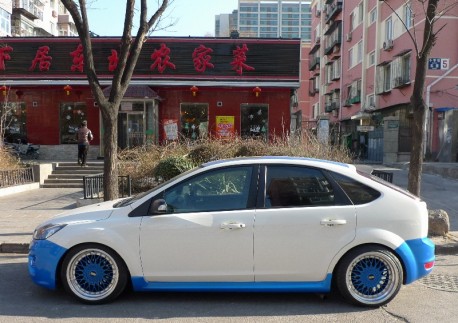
pixel 94 274
pixel 369 276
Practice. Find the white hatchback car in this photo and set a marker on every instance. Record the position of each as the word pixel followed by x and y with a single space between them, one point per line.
pixel 276 224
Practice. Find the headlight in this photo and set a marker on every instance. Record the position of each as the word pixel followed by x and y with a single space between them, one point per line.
pixel 44 232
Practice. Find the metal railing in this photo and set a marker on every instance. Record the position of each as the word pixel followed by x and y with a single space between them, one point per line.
pixel 93 186
pixel 16 177
pixel 386 176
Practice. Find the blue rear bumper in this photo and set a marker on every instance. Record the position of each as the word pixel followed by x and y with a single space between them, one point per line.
pixel 44 258
pixel 415 254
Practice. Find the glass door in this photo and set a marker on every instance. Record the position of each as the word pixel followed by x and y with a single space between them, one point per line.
pixel 130 129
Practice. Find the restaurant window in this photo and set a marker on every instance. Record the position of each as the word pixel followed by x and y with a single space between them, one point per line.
pixel 194 120
pixel 254 120
pixel 71 116
pixel 14 121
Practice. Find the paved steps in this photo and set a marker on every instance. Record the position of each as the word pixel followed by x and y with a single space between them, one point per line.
pixel 70 175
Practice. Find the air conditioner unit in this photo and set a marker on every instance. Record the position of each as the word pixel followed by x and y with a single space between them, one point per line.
pixel 348 36
pixel 388 45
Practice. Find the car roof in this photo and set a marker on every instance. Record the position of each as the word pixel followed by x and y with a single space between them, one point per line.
pixel 322 163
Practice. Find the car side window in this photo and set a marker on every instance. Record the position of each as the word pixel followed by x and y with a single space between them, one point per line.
pixel 356 191
pixel 295 186
pixel 218 190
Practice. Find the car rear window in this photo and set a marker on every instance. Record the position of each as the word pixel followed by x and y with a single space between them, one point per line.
pixel 358 193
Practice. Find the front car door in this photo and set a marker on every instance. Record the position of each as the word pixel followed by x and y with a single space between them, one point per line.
pixel 303 223
pixel 206 234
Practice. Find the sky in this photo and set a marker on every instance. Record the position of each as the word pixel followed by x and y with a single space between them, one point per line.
pixel 191 17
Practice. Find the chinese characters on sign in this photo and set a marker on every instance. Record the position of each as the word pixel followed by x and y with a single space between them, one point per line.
pixel 225 126
pixel 201 58
pixel 438 64
pixel 238 64
pixel 161 59
pixel 42 59
pixel 4 56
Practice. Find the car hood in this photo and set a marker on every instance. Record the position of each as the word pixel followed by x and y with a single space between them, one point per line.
pixel 89 213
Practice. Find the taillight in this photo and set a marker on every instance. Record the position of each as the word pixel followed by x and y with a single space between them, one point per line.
pixel 429 265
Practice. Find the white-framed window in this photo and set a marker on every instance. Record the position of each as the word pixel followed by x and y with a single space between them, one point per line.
pixel 400 70
pixel 383 81
pixel 370 101
pixel 360 12
pixel 389 29
pixel 350 58
pixel 351 22
pixel 316 110
pixel 408 15
pixel 373 16
pixel 359 52
pixel 371 58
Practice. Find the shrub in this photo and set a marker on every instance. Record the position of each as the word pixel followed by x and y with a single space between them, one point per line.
pixel 172 166
pixel 8 161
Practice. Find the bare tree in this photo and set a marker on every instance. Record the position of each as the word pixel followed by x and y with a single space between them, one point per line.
pixel 129 52
pixel 432 11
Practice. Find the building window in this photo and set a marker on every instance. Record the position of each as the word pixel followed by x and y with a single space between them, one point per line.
pixel 350 58
pixel 254 120
pixel 371 59
pixel 316 110
pixel 351 22
pixel 389 29
pixel 194 121
pixel 359 53
pixel 71 116
pixel 370 101
pixel 5 23
pixel 400 70
pixel 15 119
pixel 408 15
pixel 373 16
pixel 360 12
pixel 383 78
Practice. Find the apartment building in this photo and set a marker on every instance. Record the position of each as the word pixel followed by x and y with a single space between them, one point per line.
pixel 35 18
pixel 362 68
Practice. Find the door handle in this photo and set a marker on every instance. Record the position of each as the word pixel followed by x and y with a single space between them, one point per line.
pixel 332 222
pixel 232 225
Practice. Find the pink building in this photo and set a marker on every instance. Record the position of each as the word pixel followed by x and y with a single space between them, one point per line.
pixel 362 69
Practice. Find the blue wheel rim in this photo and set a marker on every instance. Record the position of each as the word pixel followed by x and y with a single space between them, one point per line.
pixel 370 276
pixel 92 274
pixel 373 277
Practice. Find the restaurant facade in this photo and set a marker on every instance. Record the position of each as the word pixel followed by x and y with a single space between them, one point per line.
pixel 191 88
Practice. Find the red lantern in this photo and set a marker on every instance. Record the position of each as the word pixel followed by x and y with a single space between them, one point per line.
pixel 3 88
pixel 67 89
pixel 257 90
pixel 194 89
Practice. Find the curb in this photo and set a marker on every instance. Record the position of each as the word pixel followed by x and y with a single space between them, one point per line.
pixel 23 248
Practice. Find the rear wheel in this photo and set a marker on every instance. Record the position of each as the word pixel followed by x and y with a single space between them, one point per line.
pixel 94 274
pixel 369 276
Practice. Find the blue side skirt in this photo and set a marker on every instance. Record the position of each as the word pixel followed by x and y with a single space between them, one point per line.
pixel 139 284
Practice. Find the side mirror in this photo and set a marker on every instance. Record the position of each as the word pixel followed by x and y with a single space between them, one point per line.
pixel 158 206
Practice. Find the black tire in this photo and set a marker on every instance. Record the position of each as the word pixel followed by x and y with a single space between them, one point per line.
pixel 94 274
pixel 369 276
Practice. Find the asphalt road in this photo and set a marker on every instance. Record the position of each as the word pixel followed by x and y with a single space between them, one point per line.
pixel 431 300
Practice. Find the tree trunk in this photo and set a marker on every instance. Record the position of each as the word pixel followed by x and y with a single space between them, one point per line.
pixel 110 153
pixel 417 102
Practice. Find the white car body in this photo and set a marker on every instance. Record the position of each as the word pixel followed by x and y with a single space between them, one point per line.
pixel 256 248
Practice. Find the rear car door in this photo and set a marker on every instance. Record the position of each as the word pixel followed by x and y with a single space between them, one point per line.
pixel 304 220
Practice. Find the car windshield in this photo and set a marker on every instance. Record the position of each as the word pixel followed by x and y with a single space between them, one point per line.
pixel 132 199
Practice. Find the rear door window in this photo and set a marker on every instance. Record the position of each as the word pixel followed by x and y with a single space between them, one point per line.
pixel 356 191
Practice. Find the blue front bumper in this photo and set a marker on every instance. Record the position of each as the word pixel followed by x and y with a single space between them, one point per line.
pixel 415 254
pixel 44 258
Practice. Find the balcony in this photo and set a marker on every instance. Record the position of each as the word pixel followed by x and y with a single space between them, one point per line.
pixel 333 37
pixel 332 9
pixel 28 9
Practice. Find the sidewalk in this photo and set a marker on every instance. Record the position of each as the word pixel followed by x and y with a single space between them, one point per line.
pixel 21 212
